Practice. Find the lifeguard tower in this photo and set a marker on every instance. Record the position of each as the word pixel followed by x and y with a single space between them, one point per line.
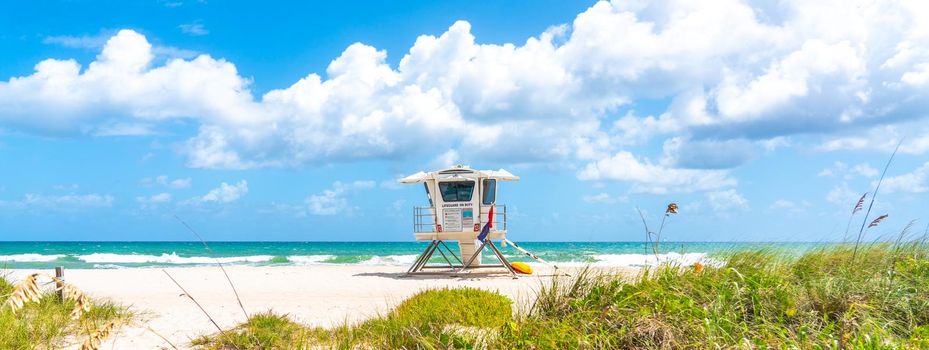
pixel 461 200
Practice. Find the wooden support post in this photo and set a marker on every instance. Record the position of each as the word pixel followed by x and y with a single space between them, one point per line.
pixel 60 275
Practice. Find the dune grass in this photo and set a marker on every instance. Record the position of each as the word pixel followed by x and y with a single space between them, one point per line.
pixel 829 297
pixel 758 299
pixel 441 318
pixel 49 324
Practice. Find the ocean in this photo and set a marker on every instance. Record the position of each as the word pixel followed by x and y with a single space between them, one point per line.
pixel 108 255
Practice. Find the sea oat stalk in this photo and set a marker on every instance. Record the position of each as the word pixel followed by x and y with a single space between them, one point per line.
pixel 857 208
pixel 648 234
pixel 218 263
pixel 671 209
pixel 873 197
pixel 194 300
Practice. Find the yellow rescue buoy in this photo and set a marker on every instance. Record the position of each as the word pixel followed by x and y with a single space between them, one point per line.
pixel 522 267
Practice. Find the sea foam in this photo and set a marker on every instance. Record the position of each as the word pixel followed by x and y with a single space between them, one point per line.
pixel 640 260
pixel 390 260
pixel 173 258
pixel 30 257
pixel 309 259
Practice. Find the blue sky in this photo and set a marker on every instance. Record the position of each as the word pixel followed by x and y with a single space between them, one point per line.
pixel 765 122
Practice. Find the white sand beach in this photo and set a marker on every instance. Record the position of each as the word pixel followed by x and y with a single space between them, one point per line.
pixel 322 295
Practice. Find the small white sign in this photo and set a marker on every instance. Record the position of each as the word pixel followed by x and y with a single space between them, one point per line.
pixel 452 219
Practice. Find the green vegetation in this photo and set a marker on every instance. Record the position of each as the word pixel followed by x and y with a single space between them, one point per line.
pixel 47 323
pixel 759 299
pixel 825 298
pixel 441 318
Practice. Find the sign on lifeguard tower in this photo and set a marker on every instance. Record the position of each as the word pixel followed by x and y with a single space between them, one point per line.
pixel 461 202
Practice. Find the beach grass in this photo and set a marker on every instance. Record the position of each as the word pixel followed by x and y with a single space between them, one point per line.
pixel 828 297
pixel 824 298
pixel 49 323
pixel 439 318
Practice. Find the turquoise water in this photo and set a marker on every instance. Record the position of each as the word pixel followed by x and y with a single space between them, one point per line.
pixel 95 255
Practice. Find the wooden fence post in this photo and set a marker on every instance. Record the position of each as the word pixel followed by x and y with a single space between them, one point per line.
pixel 60 274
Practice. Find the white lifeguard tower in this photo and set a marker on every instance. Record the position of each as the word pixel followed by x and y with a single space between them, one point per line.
pixel 460 201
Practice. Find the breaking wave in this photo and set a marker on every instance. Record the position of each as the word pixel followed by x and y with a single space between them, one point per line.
pixel 390 260
pixel 116 260
pixel 309 259
pixel 31 257
pixel 110 258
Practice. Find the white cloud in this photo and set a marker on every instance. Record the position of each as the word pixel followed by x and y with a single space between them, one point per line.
pixel 61 201
pixel 791 207
pixel 165 181
pixel 916 181
pixel 332 201
pixel 447 159
pixel 783 204
pixel 847 172
pixel 774 143
pixel 124 129
pixel 882 138
pixel 648 177
pixel 153 200
pixel 790 80
pixel 726 200
pixel 98 41
pixel 294 210
pixel 194 29
pixel 603 198
pixel 398 209
pixel 223 194
pixel 842 195
pixel 79 42
pixel 735 73
pixel 865 169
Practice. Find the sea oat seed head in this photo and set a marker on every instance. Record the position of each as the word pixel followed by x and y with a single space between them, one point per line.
pixel 860 203
pixel 94 341
pixel 25 292
pixel 70 292
pixel 672 209
pixel 878 220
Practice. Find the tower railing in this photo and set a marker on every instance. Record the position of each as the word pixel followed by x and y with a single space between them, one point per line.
pixel 424 218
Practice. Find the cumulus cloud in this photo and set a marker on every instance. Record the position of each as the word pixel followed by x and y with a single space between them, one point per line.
pixel 153 200
pixel 603 198
pixel 916 181
pixel 735 74
pixel 648 177
pixel 165 181
pixel 843 195
pixel 726 200
pixel 841 169
pixel 883 138
pixel 333 200
pixel 791 207
pixel 223 194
